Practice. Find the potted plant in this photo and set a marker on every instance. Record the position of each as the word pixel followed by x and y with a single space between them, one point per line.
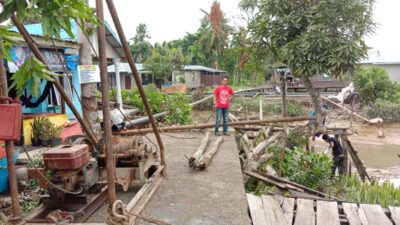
pixel 46 135
pixel 55 132
pixel 36 130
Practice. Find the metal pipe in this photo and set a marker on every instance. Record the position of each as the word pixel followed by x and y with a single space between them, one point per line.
pixel 210 125
pixel 60 89
pixel 12 173
pixel 144 120
pixel 138 81
pixel 106 104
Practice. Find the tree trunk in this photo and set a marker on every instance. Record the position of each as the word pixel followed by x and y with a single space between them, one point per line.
pixel 205 160
pixel 315 98
pixel 89 101
pixel 199 152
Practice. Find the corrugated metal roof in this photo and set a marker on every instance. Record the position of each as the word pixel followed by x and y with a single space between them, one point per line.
pixel 125 68
pixel 202 68
pixel 37 29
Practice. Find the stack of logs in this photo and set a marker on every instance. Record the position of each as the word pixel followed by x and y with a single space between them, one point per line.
pixel 254 155
pixel 201 159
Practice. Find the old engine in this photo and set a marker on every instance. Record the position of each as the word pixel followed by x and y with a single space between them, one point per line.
pixel 71 170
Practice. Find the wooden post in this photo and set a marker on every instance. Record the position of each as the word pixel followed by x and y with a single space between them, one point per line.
pixel 345 153
pixel 356 160
pixel 106 104
pixel 12 174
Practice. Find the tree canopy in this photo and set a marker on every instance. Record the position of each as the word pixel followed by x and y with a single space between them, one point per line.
pixel 140 46
pixel 312 37
pixel 163 61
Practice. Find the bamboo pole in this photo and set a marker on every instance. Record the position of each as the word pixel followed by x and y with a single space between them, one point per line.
pixel 137 78
pixel 199 152
pixel 112 197
pixel 205 160
pixel 210 125
pixel 348 110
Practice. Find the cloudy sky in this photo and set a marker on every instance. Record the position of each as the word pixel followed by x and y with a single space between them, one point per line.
pixel 169 20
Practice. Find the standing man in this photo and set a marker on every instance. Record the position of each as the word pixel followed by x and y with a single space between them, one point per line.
pixel 337 154
pixel 222 96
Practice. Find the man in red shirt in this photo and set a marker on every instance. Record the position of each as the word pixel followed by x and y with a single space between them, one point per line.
pixel 222 96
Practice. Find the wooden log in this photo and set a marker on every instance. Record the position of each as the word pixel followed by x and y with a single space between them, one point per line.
pixel 232 117
pixel 273 182
pixel 258 150
pixel 210 125
pixel 254 162
pixel 199 152
pixel 205 160
pixel 304 188
pixel 356 160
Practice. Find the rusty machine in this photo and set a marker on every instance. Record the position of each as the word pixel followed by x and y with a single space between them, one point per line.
pixel 74 176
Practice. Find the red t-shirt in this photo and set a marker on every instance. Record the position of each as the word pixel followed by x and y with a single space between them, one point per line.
pixel 222 94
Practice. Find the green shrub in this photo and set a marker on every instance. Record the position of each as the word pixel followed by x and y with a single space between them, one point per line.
pixel 297 139
pixel 179 110
pixel 388 111
pixel 295 110
pixel 374 83
pixel 306 168
pixel 175 104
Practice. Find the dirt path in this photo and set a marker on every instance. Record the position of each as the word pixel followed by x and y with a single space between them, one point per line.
pixel 187 197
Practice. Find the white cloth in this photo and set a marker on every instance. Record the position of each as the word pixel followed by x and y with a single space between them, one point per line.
pixel 344 93
pixel 117 117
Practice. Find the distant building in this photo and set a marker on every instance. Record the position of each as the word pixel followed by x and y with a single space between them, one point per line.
pixel 126 77
pixel 376 59
pixel 392 68
pixel 198 76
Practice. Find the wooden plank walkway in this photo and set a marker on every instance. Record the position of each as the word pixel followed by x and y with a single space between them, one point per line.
pixel 269 209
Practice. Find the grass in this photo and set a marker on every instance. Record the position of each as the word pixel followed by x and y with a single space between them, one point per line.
pixel 352 189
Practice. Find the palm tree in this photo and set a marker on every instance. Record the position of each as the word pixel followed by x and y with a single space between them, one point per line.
pixel 217 30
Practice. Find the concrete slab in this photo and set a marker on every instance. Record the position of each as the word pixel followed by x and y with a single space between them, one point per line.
pixel 33 153
pixel 212 197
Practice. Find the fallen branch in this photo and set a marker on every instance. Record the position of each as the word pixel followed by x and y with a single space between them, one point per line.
pixel 205 160
pixel 303 188
pixel 199 152
pixel 275 183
